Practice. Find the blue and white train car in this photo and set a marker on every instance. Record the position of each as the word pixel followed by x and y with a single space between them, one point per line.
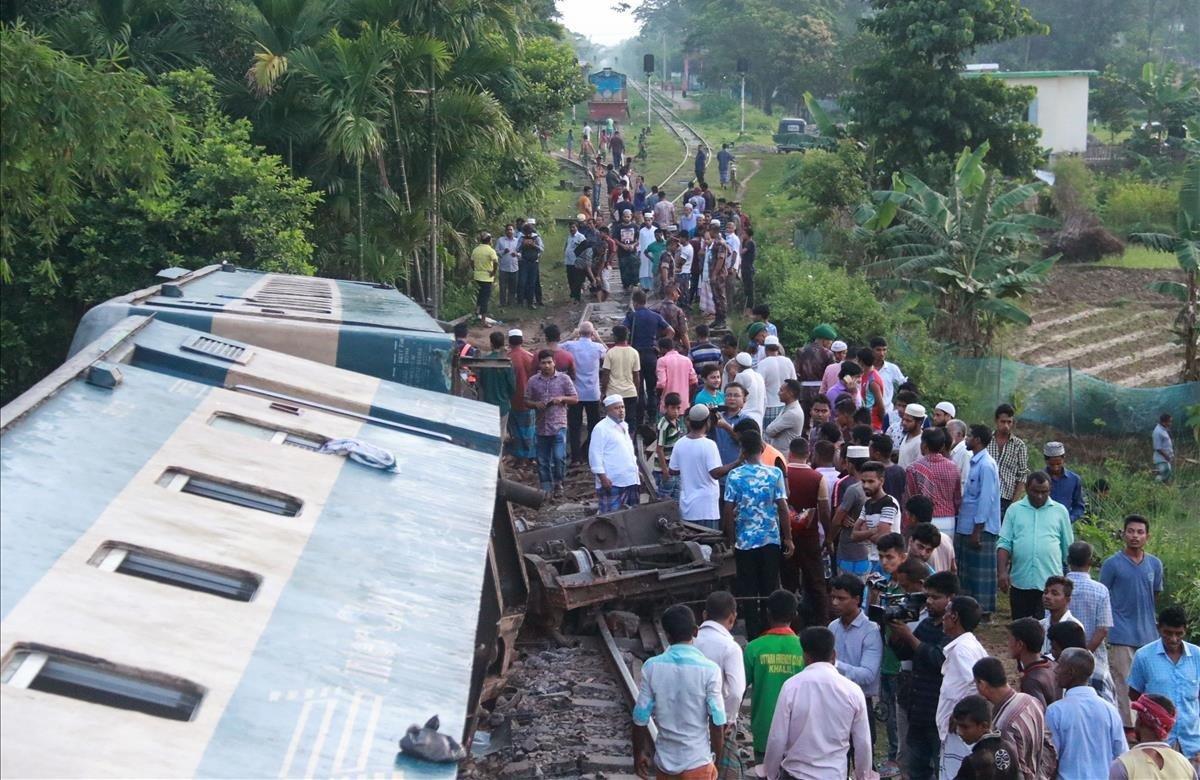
pixel 190 588
pixel 360 326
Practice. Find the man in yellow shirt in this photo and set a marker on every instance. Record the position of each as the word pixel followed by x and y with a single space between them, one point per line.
pixel 485 262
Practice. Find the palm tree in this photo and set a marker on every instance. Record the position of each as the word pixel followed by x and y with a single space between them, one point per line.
pixel 1185 244
pixel 146 35
pixel 970 249
pixel 353 83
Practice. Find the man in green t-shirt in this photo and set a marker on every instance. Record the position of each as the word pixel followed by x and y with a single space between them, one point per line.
pixel 771 660
pixel 497 385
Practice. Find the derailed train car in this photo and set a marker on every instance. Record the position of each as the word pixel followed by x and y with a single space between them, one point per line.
pixel 194 587
pixel 360 326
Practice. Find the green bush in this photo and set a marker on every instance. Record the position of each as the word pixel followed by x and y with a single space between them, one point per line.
pixel 831 182
pixel 804 293
pixel 1140 207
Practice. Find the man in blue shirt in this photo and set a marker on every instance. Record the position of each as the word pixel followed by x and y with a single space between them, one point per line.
pixel 1065 485
pixel 1171 667
pixel 588 351
pixel 646 327
pixel 723 433
pixel 1134 579
pixel 978 524
pixel 1086 730
pixel 754 514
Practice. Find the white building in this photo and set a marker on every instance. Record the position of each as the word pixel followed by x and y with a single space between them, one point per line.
pixel 1060 109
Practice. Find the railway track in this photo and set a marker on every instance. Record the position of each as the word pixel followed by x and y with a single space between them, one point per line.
pixel 687 135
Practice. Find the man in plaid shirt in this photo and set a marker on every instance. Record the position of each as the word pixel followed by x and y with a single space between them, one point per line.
pixel 1011 456
pixel 1091 606
pixel 934 475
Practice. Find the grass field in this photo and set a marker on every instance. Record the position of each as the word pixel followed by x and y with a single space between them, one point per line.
pixel 1140 257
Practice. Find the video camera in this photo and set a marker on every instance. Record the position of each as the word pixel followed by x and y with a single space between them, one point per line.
pixel 893 607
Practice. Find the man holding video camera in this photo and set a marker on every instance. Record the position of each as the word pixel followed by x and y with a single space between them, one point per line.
pixel 925 647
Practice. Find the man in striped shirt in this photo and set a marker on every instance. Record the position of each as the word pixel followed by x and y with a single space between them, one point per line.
pixel 1017 716
pixel 935 476
pixel 1011 456
pixel 1092 607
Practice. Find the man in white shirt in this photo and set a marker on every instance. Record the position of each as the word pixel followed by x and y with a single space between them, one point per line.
pixel 718 645
pixel 958 678
pixel 508 247
pixel 789 421
pixel 697 461
pixel 911 423
pixel 775 369
pixel 819 716
pixel 960 453
pixel 681 690
pixel 612 460
pixel 756 389
pixel 1056 598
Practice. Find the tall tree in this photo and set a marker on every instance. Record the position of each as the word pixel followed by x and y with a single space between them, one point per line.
pixel 912 101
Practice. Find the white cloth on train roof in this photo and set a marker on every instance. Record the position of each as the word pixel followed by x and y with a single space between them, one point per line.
pixel 360 451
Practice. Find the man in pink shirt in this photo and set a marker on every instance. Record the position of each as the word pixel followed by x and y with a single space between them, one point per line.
pixel 675 374
pixel 830 377
pixel 935 476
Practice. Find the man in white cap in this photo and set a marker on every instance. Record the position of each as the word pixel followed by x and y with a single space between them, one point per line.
pixel 910 426
pixel 775 368
pixel 834 369
pixel 612 459
pixel 943 413
pixel 756 389
pixel 697 462
pixel 1065 485
pixel 646 237
pixel 853 555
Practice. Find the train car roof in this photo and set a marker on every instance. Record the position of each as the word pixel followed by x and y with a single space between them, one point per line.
pixel 369 328
pixel 191 590
pixel 230 289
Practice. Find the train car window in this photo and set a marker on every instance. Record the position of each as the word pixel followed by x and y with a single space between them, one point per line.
pixel 230 493
pixel 97 681
pixel 266 432
pixel 190 574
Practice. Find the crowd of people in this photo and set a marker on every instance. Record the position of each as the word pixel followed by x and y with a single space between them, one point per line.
pixel 699 250
pixel 883 532
pixel 871 529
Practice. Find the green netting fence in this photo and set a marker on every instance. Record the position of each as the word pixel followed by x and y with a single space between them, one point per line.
pixel 1070 399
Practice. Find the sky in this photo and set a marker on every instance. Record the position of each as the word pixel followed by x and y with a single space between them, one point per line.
pixel 597 20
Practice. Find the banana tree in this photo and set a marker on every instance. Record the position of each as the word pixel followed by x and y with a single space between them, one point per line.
pixel 970 250
pixel 1185 244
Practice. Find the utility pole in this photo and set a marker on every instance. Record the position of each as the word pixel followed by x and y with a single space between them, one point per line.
pixel 435 269
pixel 743 128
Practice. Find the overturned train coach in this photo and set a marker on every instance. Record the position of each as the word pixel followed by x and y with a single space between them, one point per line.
pixel 361 326
pixel 205 575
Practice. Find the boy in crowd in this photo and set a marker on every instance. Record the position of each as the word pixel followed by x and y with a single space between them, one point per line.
pixel 771 659
pixel 1056 598
pixel 670 430
pixel 1025 640
pixel 711 394
pixel 992 755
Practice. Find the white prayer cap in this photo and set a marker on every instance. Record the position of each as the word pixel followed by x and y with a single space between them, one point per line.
pixel 857 451
pixel 771 341
pixel 838 346
pixel 916 411
pixel 945 406
pixel 744 360
pixel 613 400
pixel 516 332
